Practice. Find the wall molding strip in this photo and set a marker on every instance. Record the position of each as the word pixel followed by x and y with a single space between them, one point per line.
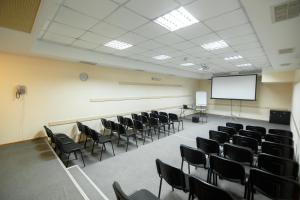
pixel 138 98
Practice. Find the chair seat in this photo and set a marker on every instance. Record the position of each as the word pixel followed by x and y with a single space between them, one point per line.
pixel 104 139
pixel 61 135
pixel 71 147
pixel 143 195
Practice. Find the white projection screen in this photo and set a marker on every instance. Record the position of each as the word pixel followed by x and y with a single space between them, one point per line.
pixel 240 87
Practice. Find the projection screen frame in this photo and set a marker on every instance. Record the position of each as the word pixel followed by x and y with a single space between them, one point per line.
pixel 211 85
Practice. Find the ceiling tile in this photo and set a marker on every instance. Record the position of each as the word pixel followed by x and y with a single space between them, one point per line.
pixel 85 44
pixel 150 44
pixel 131 38
pixel 108 30
pixel 152 9
pixel 130 51
pixel 228 20
pixel 198 52
pixel 183 45
pixel 251 38
pixel 104 49
pixel 126 19
pixel 95 8
pixel 204 9
pixel 120 1
pixel 169 39
pixel 58 38
pixel 151 30
pixel 75 19
pixel 45 26
pixel 65 30
pixel 237 31
pixel 95 38
pixel 183 2
pixel 212 37
pixel 193 31
pixel 252 45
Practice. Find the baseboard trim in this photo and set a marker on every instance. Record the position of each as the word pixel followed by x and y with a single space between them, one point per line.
pixel 21 141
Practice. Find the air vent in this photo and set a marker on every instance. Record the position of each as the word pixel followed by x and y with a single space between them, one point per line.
pixel 287 10
pixel 285 64
pixel 87 62
pixel 250 72
pixel 155 79
pixel 285 51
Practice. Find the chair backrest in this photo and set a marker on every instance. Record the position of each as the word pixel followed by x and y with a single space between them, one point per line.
pixel 207 145
pixel 206 191
pixel 163 119
pixel 245 142
pixel 163 113
pixel 281 132
pixel 273 186
pixel 138 125
pixel 134 116
pixel 119 192
pixel 121 119
pixel 79 126
pixel 154 112
pixel 184 106
pixel 226 168
pixel 94 134
pixel 238 153
pixel 48 131
pixel 173 176
pixel 276 149
pixel 153 121
pixel 236 126
pixel 145 114
pixel 260 129
pixel 192 156
pixel 220 137
pixel 121 129
pixel 112 125
pixel 153 115
pixel 86 130
pixel 279 139
pixel 251 134
pixel 105 123
pixel 173 117
pixel 144 119
pixel 128 122
pixel 277 165
pixel 229 130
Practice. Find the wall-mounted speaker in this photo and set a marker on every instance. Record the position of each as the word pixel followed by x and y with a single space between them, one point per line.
pixel 20 90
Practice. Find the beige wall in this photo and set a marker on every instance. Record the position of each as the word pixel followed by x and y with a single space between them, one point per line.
pixel 269 96
pixel 55 94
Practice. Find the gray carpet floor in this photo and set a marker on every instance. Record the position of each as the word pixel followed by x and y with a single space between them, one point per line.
pixel 136 169
pixel 30 171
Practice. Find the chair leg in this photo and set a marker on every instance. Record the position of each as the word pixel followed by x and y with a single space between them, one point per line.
pixel 189 168
pixel 75 155
pixel 93 147
pixel 173 189
pixel 85 141
pixel 82 158
pixel 159 190
pixel 173 127
pixel 181 164
pixel 127 144
pixel 68 160
pixel 136 142
pixel 178 125
pixel 101 152
pixel 112 146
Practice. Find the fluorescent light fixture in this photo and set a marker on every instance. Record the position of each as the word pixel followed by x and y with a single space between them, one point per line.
pixel 161 57
pixel 214 45
pixel 176 19
pixel 244 65
pixel 187 64
pixel 233 57
pixel 118 45
pixel 201 69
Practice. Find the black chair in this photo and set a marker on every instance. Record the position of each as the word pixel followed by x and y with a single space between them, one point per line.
pixel 145 114
pixel 53 137
pixel 154 125
pixel 128 122
pixel 100 139
pixel 138 195
pixel 140 128
pixel 279 139
pixel 229 130
pixel 69 148
pixel 153 115
pixel 105 124
pixel 220 137
pixel 154 112
pixel 164 121
pixel 208 146
pixel 277 165
pixel 122 132
pixel 251 134
pixel 173 176
pixel 227 169
pixel 83 131
pixel 113 128
pixel 192 156
pixel 206 191
pixel 174 118
pixel 121 120
pixel 276 149
pixel 134 116
pixel 281 132
pixel 163 113
pixel 236 126
pixel 144 120
pixel 245 142
pixel 238 153
pixel 272 186
pixel 259 129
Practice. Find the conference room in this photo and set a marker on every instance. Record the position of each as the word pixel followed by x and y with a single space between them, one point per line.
pixel 149 100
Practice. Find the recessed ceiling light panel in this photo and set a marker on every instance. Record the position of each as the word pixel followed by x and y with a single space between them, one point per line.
pixel 214 45
pixel 233 57
pixel 187 64
pixel 115 44
pixel 176 19
pixel 244 65
pixel 161 57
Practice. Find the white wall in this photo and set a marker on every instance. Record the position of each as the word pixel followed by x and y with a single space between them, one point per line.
pixel 295 121
pixel 55 94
